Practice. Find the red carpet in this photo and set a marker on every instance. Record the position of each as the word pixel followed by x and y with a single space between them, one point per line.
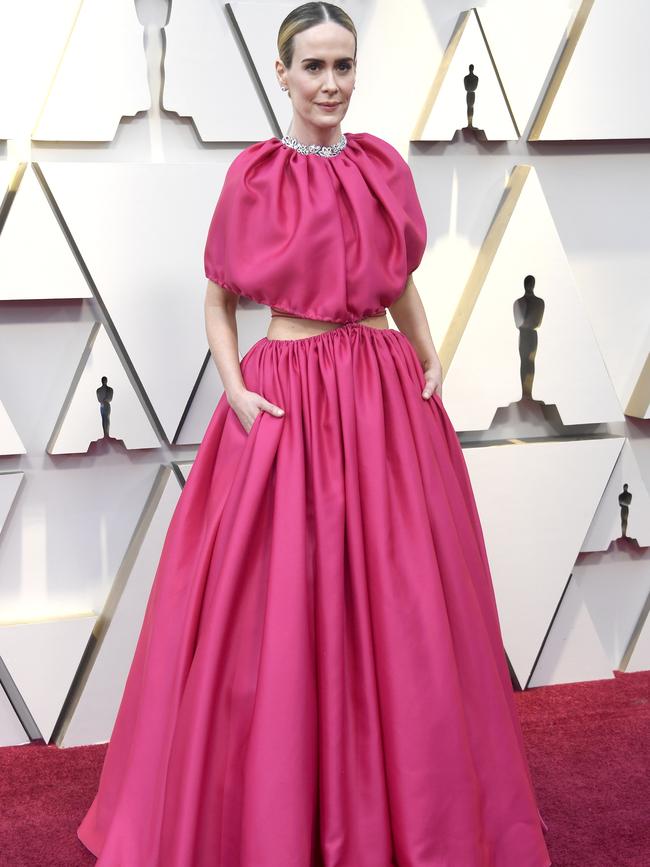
pixel 588 746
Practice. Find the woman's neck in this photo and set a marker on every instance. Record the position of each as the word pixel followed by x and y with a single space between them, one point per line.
pixel 307 134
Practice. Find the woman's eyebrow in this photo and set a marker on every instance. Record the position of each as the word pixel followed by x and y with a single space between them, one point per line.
pixel 320 60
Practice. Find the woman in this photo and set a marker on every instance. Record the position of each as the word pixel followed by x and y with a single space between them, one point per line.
pixel 320 678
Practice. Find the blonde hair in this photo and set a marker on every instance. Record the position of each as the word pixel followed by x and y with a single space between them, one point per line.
pixel 306 16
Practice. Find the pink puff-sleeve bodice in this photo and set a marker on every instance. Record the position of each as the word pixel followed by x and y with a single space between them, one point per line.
pixel 329 238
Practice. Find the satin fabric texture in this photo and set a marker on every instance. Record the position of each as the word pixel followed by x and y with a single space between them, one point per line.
pixel 320 678
pixel 328 238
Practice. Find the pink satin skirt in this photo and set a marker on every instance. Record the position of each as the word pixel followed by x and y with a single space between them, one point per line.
pixel 320 678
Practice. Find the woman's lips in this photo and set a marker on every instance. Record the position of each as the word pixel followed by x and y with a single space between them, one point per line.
pixel 328 107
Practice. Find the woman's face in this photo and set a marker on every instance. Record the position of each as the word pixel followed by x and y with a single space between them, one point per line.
pixel 322 71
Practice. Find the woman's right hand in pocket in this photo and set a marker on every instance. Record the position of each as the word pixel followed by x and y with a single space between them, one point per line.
pixel 247 406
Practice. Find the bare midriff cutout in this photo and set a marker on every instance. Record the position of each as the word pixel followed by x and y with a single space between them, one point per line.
pixel 288 326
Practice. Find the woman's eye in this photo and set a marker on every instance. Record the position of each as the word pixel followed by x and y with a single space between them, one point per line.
pixel 343 66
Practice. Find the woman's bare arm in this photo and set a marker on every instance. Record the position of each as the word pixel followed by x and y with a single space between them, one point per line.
pixel 411 319
pixel 220 308
pixel 221 330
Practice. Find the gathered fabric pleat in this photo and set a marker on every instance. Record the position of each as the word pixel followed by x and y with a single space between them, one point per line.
pixel 320 679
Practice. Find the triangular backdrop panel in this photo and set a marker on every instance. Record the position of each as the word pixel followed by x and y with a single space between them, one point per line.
pixel 35 258
pixel 12 732
pixel 256 21
pixel 42 658
pixel 9 172
pixel 81 423
pixel 484 372
pixel 69 536
pixel 536 501
pixel 524 39
pixel 141 231
pixel 35 372
pixel 445 110
pixel 638 404
pixel 29 59
pixel 10 441
pixel 101 78
pixel 9 485
pixel 201 49
pixel 201 409
pixel 614 587
pixel 92 718
pixel 572 651
pixel 608 522
pixel 594 93
pixel 184 468
pixel 639 659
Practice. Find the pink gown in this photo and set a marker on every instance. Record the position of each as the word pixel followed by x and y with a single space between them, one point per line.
pixel 320 678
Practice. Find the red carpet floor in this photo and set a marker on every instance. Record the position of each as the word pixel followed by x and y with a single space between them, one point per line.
pixel 588 746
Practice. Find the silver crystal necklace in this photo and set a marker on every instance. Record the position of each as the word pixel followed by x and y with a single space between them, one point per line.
pixel 321 150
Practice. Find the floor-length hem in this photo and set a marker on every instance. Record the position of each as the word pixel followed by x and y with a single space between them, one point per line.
pixel 320 678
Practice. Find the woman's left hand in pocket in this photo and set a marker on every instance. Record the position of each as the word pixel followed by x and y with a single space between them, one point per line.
pixel 432 379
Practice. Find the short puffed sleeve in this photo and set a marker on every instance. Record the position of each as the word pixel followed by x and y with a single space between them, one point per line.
pixel 396 174
pixel 221 239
